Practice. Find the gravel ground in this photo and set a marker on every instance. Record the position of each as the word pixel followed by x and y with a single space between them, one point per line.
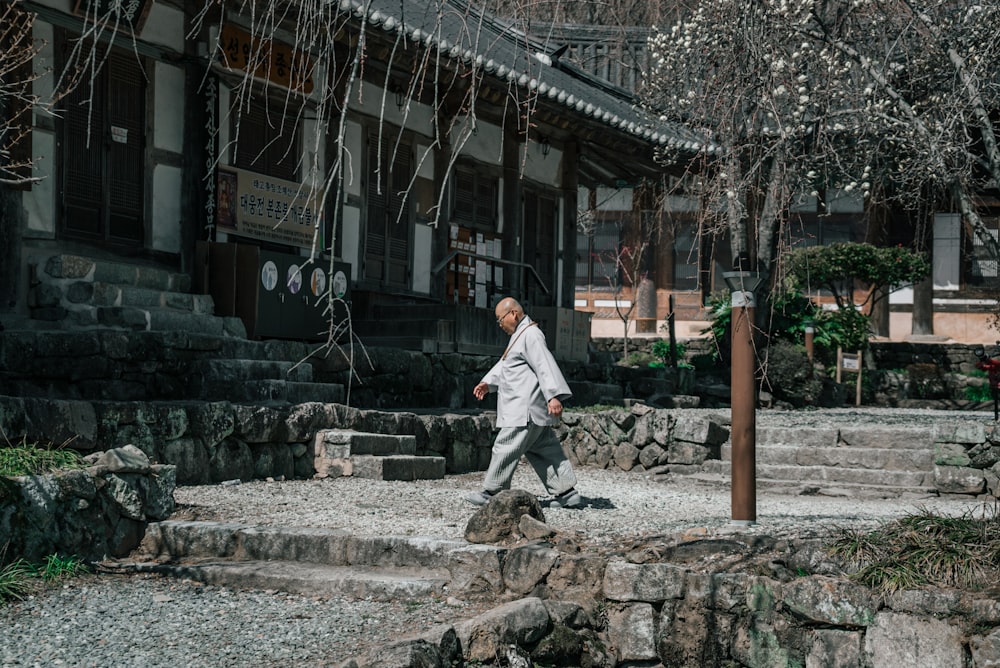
pixel 146 621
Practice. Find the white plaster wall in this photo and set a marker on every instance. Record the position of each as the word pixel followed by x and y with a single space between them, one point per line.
pixel 354 160
pixel 351 238
pixel 614 199
pixel 535 166
pixel 486 145
pixel 167 209
pixel 368 99
pixel 422 238
pixel 39 202
pixel 168 91
pixel 164 26
pixel 947 250
pixel 425 161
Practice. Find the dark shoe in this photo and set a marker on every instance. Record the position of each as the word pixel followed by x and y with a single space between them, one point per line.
pixel 479 498
pixel 568 499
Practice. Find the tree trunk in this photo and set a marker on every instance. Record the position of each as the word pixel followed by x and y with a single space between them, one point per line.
pixel 879 316
pixel 923 308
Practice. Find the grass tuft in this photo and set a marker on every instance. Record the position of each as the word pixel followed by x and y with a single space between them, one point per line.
pixel 18 579
pixel 924 549
pixel 57 567
pixel 14 579
pixel 29 459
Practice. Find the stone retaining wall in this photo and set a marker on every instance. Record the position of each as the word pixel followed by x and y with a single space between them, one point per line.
pixel 216 442
pixel 93 513
pixel 673 614
pixel 211 442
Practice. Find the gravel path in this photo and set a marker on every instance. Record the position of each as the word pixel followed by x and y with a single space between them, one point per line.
pixel 146 621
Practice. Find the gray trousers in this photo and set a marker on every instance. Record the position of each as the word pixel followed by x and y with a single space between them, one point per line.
pixel 541 447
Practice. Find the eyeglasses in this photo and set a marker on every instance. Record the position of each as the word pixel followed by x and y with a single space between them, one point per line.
pixel 500 319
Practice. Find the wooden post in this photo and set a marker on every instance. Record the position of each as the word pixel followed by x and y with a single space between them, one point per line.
pixel 854 364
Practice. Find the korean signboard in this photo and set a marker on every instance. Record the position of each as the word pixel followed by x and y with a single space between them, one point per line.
pixel 266 59
pixel 263 207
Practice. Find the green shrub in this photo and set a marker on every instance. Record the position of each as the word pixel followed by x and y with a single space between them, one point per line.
pixel 661 349
pixel 978 393
pixel 638 359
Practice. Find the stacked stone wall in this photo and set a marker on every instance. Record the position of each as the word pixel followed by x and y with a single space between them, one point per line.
pixel 93 513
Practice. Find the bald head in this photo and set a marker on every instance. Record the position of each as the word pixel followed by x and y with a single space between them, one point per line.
pixel 509 313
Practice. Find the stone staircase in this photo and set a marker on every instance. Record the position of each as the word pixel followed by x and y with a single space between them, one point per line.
pixel 177 347
pixel 343 452
pixel 865 460
pixel 318 561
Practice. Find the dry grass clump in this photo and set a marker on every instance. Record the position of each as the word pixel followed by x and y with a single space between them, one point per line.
pixel 925 549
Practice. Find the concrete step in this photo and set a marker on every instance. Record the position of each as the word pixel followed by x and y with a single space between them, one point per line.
pixel 833 474
pixel 357 582
pixel 893 459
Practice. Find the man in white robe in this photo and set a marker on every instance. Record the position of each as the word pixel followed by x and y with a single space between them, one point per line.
pixel 531 389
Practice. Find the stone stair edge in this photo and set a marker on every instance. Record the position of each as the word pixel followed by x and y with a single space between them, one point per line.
pixel 825 487
pixel 358 582
pixel 199 539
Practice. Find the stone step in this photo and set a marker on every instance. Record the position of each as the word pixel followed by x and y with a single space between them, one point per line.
pixel 356 582
pixel 893 459
pixel 343 443
pixel 245 380
pixel 271 391
pixel 867 436
pixel 138 319
pixel 310 559
pixel 344 452
pixel 833 474
pixel 398 467
pixel 301 393
pixel 237 370
pixel 68 266
pixel 176 540
pixel 714 475
pixel 109 294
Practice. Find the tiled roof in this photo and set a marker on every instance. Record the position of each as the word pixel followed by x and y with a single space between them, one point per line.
pixel 466 34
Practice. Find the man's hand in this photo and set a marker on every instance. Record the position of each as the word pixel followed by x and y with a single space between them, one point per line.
pixel 480 391
pixel 555 407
